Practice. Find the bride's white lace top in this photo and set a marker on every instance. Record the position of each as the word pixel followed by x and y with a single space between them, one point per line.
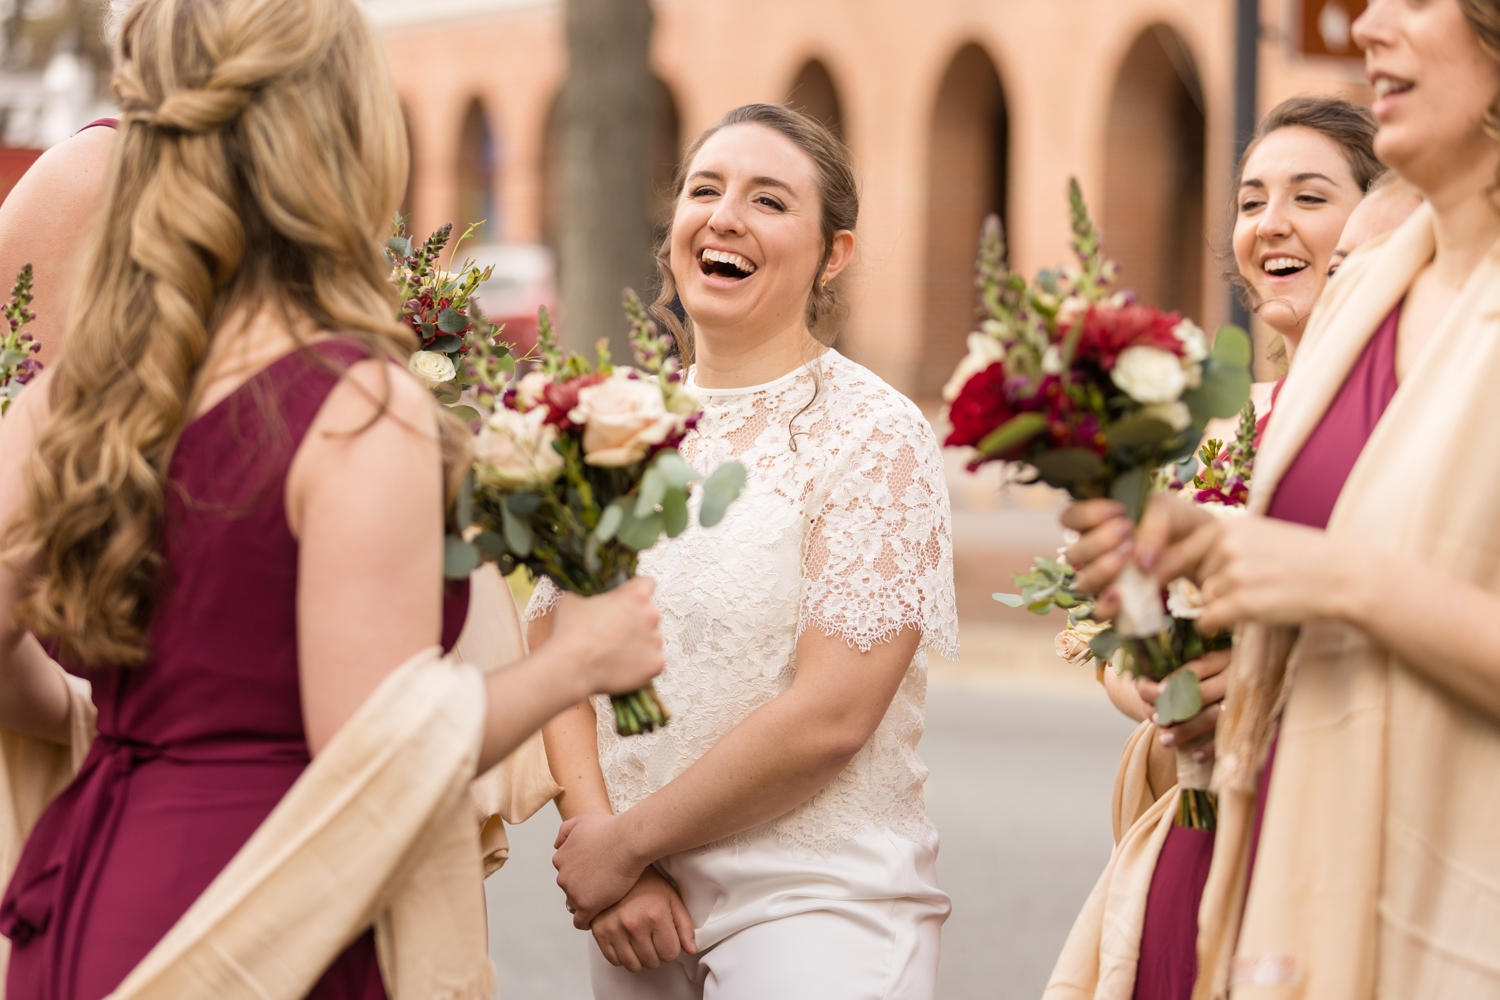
pixel 849 532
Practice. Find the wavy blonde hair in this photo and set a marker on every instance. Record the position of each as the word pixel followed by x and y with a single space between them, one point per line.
pixel 260 155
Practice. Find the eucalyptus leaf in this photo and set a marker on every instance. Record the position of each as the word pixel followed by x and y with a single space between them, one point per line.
pixel 400 245
pixel 719 491
pixel 1181 698
pixel 452 321
pixel 492 545
pixel 675 472
pixel 591 553
pixel 1130 489
pixel 609 522
pixel 1232 347
pixel 1012 434
pixel 1221 395
pixel 640 533
pixel 11 356
pixel 522 503
pixel 446 344
pixel 460 558
pixel 518 536
pixel 1009 600
pixel 1104 645
pixel 467 414
pixel 674 511
pixel 653 488
pixel 447 393
pixel 1137 431
pixel 1065 467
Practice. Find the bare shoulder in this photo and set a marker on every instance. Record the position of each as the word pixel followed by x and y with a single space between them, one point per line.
pixel 376 392
pixel 69 177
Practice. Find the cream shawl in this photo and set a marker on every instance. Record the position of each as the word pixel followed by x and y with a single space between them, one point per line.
pixel 406 757
pixel 1098 961
pixel 1378 868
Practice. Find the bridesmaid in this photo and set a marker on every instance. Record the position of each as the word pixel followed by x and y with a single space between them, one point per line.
pixel 1351 839
pixel 224 505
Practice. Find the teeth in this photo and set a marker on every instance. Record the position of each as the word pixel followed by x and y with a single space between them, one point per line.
pixel 725 257
pixel 1283 264
pixel 1386 85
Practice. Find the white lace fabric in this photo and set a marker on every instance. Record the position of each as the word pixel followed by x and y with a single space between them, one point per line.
pixel 849 532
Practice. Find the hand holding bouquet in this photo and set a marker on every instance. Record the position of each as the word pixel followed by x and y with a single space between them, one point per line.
pixel 18 365
pixel 577 472
pixel 1088 390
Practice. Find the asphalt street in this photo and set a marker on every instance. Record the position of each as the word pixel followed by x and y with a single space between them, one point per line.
pixel 1020 791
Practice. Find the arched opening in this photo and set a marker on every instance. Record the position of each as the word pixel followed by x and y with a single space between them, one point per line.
pixel 1154 173
pixel 966 180
pixel 478 164
pixel 814 94
pixel 666 152
pixel 552 172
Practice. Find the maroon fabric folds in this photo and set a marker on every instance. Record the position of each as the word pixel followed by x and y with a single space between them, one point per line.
pixel 198 745
pixel 1306 495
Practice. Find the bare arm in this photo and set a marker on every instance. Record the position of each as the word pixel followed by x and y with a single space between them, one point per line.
pixel 572 744
pixel 779 757
pixel 367 508
pixel 47 221
pixel 33 692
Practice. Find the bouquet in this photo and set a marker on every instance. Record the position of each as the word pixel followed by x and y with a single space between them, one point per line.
pixel 18 366
pixel 577 471
pixel 1086 389
pixel 459 351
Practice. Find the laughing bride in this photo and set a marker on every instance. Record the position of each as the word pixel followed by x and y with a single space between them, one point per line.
pixel 772 839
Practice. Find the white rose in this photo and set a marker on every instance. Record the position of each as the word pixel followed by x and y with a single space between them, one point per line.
pixel 1150 375
pixel 1194 350
pixel 515 450
pixel 622 418
pixel 529 390
pixel 1175 415
pixel 432 367
pixel 1073 647
pixel 1184 599
pixel 984 351
pixel 1052 360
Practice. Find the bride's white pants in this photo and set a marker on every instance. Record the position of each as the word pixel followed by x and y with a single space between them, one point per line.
pixel 864 923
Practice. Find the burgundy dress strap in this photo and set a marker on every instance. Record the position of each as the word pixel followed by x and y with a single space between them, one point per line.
pixel 1168 964
pixel 113 123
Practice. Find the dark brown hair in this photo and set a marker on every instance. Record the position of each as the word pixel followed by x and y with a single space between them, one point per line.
pixel 838 197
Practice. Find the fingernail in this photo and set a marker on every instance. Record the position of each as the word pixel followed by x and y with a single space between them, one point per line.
pixel 1147 558
pixel 1200 756
pixel 1168 739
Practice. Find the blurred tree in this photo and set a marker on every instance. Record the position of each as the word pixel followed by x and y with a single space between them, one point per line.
pixel 605 229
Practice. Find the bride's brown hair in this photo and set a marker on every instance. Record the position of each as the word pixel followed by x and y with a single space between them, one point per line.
pixel 260 155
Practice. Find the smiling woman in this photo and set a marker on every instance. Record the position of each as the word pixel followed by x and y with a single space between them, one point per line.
pixel 1310 163
pixel 773 840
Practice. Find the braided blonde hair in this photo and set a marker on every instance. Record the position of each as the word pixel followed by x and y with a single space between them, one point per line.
pixel 261 153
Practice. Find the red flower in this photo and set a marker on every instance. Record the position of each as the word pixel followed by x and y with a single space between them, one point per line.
pixel 981 406
pixel 1109 331
pixel 561 397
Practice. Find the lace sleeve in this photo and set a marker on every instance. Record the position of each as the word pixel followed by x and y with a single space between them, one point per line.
pixel 543 599
pixel 879 554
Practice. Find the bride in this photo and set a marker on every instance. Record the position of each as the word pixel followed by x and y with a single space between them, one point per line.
pixel 772 839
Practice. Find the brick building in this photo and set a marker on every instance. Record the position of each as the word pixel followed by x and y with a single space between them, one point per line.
pixel 953 108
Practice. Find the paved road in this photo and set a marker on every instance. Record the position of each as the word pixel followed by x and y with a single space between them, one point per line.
pixel 1020 791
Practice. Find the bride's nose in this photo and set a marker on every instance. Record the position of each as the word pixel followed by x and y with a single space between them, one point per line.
pixel 728 217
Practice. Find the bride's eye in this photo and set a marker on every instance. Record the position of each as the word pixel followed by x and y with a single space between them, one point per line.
pixel 771 203
pixel 703 192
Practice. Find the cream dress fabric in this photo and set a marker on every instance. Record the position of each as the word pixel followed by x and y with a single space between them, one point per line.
pixel 843 526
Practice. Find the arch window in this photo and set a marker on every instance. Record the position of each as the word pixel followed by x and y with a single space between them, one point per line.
pixel 967 179
pixel 478 169
pixel 1154 152
pixel 815 95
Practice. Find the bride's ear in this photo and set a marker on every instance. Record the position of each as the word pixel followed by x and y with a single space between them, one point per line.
pixel 841 255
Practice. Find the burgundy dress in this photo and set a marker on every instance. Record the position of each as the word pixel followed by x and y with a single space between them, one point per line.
pixel 1306 495
pixel 196 746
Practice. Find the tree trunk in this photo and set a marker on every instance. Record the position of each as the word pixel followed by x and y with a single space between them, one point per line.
pixel 604 239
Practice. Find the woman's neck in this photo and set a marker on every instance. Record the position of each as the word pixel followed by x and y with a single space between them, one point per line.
pixel 733 359
pixel 1466 223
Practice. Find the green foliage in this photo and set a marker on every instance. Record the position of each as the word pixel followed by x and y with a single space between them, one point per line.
pixel 18 365
pixel 1181 698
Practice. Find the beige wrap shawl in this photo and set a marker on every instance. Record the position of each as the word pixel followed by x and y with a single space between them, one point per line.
pixel 378 829
pixel 1378 867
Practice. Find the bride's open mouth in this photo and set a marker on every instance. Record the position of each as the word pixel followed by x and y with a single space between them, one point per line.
pixel 724 264
pixel 1283 266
